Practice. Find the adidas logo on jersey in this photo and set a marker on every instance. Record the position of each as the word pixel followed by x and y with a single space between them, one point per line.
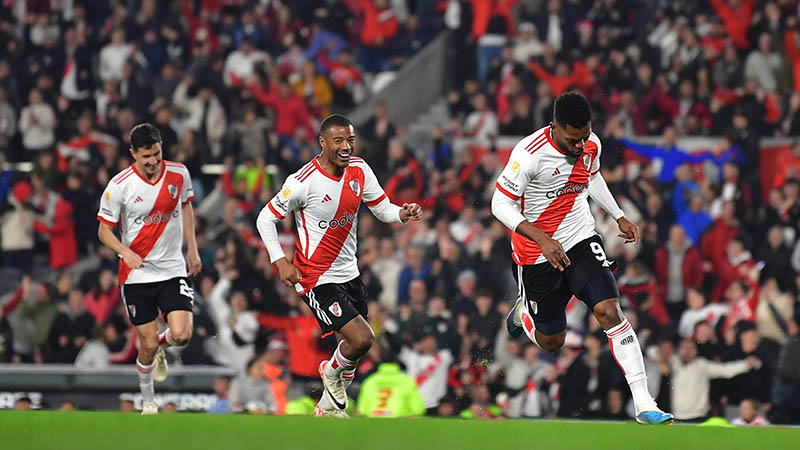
pixel 327 198
pixel 138 199
pixel 556 172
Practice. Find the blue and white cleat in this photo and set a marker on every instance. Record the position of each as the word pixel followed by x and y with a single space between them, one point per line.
pixel 514 319
pixel 654 417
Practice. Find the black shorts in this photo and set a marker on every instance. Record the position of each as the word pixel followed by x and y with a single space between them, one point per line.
pixel 548 290
pixel 144 300
pixel 336 304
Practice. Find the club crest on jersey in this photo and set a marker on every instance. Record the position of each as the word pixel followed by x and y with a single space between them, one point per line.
pixel 355 186
pixel 586 161
pixel 172 189
pixel 335 309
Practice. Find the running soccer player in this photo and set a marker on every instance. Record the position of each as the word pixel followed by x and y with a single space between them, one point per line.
pixel 542 196
pixel 151 201
pixel 325 195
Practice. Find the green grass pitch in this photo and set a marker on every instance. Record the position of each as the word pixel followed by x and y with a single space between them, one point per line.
pixel 52 430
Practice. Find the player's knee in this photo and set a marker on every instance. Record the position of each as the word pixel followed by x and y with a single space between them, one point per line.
pixel 551 343
pixel 363 341
pixel 607 314
pixel 181 336
pixel 148 345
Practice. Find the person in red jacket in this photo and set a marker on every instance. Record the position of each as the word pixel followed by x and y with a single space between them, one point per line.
pixel 734 267
pixel 678 266
pixel 715 241
pixel 302 336
pixel 103 298
pixel 291 112
pixel 580 77
pixel 63 243
pixel 736 15
pixel 380 27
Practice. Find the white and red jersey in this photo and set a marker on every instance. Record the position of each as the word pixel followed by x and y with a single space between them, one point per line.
pixel 553 189
pixel 326 215
pixel 150 216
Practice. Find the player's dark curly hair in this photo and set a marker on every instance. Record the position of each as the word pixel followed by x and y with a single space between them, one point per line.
pixel 144 135
pixel 334 120
pixel 572 109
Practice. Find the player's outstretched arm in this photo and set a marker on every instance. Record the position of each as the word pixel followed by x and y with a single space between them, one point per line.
pixel 106 235
pixel 192 255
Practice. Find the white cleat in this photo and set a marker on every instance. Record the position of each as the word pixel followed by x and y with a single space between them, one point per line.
pixel 149 409
pixel 319 411
pixel 335 388
pixel 160 373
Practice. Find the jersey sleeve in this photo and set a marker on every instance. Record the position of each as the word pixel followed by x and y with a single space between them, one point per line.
pixel 110 205
pixel 373 192
pixel 517 174
pixel 596 162
pixel 292 196
pixel 187 194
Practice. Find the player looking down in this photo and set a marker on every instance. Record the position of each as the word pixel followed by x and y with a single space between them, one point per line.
pixel 151 202
pixel 542 195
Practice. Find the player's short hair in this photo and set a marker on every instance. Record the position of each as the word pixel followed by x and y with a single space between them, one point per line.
pixel 144 135
pixel 334 120
pixel 572 108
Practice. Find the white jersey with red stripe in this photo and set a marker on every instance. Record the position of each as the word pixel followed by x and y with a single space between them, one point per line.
pixel 553 190
pixel 150 216
pixel 326 215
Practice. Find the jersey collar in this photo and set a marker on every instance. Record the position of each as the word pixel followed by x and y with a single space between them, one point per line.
pixel 163 169
pixel 322 171
pixel 548 132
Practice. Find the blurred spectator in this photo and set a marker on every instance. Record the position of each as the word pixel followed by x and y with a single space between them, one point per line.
pixel 676 265
pixel 251 391
pixel 241 63
pixel 691 376
pixel 302 337
pixel 101 300
pixel 428 366
pixel 221 390
pixel 16 233
pixel 482 123
pixel 748 415
pixel 37 123
pixel 71 329
pixel 275 371
pixel 389 393
pixel 236 325
pixel 763 64
pixel 774 312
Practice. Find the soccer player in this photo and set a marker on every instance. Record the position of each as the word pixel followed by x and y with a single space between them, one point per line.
pixel 151 201
pixel 542 196
pixel 325 195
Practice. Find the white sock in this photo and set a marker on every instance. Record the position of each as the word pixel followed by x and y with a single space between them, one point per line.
pixel 338 364
pixel 626 351
pixel 146 381
pixel 348 375
pixel 528 326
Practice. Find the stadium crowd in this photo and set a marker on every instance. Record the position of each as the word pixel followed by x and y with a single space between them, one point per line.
pixel 712 289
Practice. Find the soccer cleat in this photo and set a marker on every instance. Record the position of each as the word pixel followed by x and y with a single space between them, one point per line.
pixel 335 388
pixel 149 409
pixel 160 373
pixel 656 417
pixel 319 411
pixel 514 319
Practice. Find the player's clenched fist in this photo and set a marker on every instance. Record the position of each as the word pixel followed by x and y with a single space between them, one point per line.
pixel 554 252
pixel 410 211
pixel 132 259
pixel 194 262
pixel 288 272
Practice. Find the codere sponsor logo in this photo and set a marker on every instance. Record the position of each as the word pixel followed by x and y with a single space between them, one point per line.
pixel 156 218
pixel 569 188
pixel 340 222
